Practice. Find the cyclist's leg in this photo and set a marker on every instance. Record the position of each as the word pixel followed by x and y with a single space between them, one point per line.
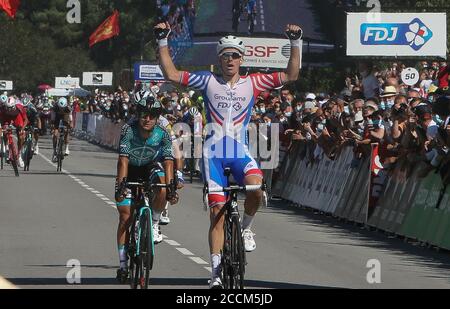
pixel 68 124
pixel 157 175
pixel 246 171
pixel 55 133
pixel 213 176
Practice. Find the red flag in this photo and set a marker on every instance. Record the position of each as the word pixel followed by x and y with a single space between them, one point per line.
pixel 10 7
pixel 108 29
pixel 377 180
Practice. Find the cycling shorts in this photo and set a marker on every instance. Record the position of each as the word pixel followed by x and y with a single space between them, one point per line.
pixel 241 167
pixel 152 172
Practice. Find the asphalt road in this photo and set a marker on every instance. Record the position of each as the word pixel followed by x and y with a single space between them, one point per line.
pixel 48 219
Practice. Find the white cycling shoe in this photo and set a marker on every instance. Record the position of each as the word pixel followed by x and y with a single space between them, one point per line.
pixel 164 219
pixel 20 162
pixel 67 152
pixel 36 149
pixel 249 241
pixel 157 235
pixel 215 283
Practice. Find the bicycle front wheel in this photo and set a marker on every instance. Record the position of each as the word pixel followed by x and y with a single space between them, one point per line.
pixel 60 155
pixel 147 248
pixel 237 255
pixel 2 152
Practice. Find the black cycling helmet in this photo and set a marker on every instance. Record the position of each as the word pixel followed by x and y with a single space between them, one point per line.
pixel 149 106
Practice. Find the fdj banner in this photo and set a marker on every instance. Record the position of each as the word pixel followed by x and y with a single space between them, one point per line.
pixel 143 71
pixel 397 34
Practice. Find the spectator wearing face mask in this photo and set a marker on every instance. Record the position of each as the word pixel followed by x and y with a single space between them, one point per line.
pixel 387 98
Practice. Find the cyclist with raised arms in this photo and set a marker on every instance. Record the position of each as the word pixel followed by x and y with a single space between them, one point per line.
pixel 143 146
pixel 229 100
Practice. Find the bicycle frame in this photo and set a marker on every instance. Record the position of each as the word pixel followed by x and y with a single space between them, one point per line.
pixel 233 252
pixel 141 264
pixel 13 155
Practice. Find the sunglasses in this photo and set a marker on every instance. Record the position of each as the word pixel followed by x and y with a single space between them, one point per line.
pixel 233 55
pixel 145 115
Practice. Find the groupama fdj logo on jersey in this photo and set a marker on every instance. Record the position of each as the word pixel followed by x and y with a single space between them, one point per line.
pixel 415 34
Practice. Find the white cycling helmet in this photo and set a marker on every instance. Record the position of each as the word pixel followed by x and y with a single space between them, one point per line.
pixel 230 41
pixel 141 95
pixel 193 111
pixel 10 103
pixel 3 99
pixel 62 103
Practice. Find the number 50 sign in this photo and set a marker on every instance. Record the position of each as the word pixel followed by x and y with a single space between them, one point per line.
pixel 410 76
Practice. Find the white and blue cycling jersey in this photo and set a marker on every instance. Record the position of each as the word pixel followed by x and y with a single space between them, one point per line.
pixel 228 109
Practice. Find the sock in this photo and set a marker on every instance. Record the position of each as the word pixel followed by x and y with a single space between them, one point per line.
pixel 215 264
pixel 156 216
pixel 123 256
pixel 247 221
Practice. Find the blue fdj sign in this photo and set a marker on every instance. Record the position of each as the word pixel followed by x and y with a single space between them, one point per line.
pixel 415 34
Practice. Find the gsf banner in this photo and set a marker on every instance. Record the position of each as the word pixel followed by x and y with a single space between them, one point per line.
pixel 97 78
pixel 397 34
pixel 6 85
pixel 267 53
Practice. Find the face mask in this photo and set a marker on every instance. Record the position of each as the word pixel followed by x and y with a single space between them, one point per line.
pixel 298 108
pixel 390 103
pixel 262 110
pixel 288 114
pixel 346 110
pixel 382 105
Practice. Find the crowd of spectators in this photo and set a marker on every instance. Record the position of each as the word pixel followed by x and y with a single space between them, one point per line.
pixel 410 123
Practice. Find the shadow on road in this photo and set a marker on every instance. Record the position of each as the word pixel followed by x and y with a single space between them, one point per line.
pixel 160 282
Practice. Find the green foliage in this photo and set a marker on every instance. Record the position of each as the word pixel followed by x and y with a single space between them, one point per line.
pixel 40 44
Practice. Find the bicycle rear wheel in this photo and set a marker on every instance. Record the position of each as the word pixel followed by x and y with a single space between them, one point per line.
pixel 237 255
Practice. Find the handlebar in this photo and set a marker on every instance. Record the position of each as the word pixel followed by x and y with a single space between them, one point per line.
pixel 246 188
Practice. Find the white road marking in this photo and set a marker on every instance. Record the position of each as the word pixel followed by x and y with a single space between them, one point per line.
pixel 198 260
pixel 184 251
pixel 171 242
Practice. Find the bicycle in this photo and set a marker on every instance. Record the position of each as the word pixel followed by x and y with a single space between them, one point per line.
pixel 233 252
pixel 59 146
pixel 28 146
pixel 13 155
pixel 141 250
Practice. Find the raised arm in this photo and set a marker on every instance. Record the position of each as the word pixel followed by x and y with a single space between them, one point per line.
pixel 171 73
pixel 294 33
